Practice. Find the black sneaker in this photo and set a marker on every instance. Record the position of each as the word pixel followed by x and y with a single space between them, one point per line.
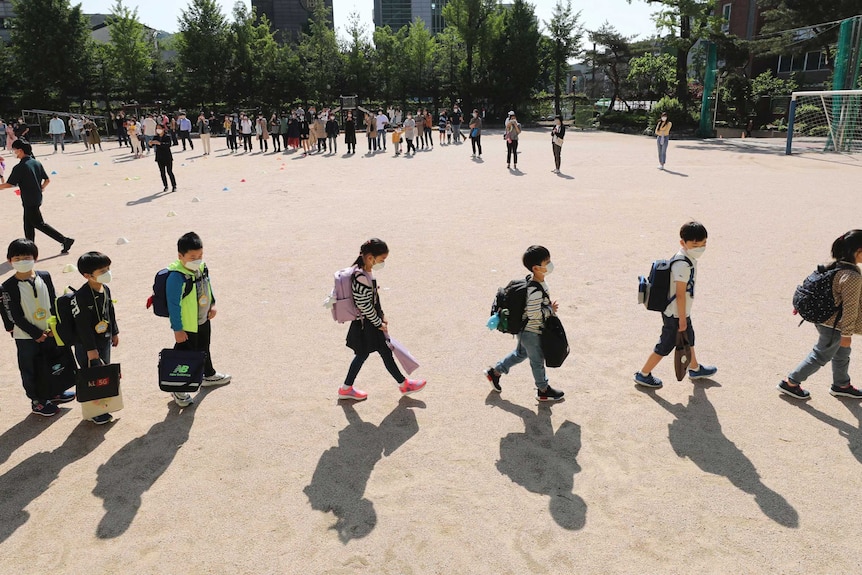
pixel 102 419
pixel 67 243
pixel 494 378
pixel 848 391
pixel 549 394
pixel 46 409
pixel 794 390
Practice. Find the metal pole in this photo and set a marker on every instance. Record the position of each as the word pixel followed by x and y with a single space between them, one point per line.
pixel 791 117
pixel 717 96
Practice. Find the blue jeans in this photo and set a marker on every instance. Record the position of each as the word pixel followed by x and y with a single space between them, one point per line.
pixel 661 142
pixel 58 139
pixel 529 346
pixel 381 138
pixel 828 348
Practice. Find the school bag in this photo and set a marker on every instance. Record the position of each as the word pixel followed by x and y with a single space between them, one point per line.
pixel 340 301
pixel 67 308
pixel 653 290
pixel 510 305
pixel 813 300
pixel 159 300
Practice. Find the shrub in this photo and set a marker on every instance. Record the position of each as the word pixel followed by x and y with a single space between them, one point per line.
pixel 678 115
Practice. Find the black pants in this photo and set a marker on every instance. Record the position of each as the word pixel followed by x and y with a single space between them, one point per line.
pixel 333 144
pixel 246 143
pixel 429 135
pixel 28 351
pixel 103 346
pixel 321 144
pixel 410 145
pixel 512 148
pixel 263 143
pixel 351 148
pixel 169 168
pixel 557 150
pixel 174 138
pixel 477 142
pixel 33 221
pixel 276 142
pixel 200 341
pixel 231 143
pixel 184 135
pixel 388 361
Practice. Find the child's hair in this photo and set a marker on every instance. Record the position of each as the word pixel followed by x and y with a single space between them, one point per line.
pixel 374 246
pixel 534 256
pixel 845 247
pixel 692 232
pixel 188 242
pixel 92 261
pixel 22 247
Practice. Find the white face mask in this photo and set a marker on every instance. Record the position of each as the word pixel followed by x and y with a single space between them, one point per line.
pixel 549 268
pixel 194 265
pixel 696 252
pixel 104 278
pixel 24 266
pixel 378 266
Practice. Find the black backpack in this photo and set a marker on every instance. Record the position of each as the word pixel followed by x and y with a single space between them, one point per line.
pixel 510 305
pixel 653 290
pixel 813 300
pixel 159 300
pixel 67 309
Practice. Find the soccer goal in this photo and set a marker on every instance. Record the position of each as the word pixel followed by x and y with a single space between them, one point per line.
pixel 826 121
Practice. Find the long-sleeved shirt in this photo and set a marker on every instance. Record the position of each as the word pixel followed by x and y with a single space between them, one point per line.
pixel 29 303
pixel 538 307
pixel 92 308
pixel 56 126
pixel 365 298
pixel 847 291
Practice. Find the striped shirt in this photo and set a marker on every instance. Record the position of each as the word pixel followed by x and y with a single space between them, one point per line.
pixel 538 308
pixel 364 296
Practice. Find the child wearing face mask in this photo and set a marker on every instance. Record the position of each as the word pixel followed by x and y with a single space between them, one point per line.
pixel 539 308
pixel 677 316
pixel 190 315
pixel 28 302
pixel 370 332
pixel 95 319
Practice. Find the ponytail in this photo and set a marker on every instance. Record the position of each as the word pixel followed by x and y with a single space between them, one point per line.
pixel 844 248
pixel 374 246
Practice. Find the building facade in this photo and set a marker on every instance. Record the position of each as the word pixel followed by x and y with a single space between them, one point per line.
pixel 289 18
pixel 6 15
pixel 399 13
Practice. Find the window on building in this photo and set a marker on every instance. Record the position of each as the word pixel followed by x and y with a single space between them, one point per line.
pixel 784 64
pixel 725 14
pixel 815 61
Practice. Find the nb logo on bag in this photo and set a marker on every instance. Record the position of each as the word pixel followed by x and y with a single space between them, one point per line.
pixel 181 371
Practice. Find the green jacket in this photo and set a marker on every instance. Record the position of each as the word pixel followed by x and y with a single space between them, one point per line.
pixel 188 305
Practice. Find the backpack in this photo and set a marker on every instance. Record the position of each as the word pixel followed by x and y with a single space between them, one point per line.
pixel 813 300
pixel 510 306
pixel 159 300
pixel 340 300
pixel 67 308
pixel 653 290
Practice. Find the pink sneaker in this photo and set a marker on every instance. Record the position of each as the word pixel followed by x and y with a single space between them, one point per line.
pixel 411 386
pixel 352 393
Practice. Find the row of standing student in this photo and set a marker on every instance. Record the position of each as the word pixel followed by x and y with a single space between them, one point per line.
pixel 29 302
pixel 369 333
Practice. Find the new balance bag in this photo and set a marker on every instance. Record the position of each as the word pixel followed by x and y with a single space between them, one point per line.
pixel 813 300
pixel 555 344
pixel 654 290
pixel 98 382
pixel 181 370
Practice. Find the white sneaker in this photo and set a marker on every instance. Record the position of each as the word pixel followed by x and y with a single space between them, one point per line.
pixel 183 399
pixel 216 379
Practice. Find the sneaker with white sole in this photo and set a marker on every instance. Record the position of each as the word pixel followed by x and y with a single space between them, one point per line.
pixel 411 386
pixel 352 393
pixel 702 372
pixel 847 391
pixel 647 380
pixel 549 394
pixel 795 391
pixel 102 419
pixel 182 399
pixel 216 379
pixel 64 397
pixel 46 408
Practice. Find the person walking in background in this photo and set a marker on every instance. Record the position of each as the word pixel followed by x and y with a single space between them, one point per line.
pixel 134 136
pixel 513 129
pixel 662 133
pixel 205 132
pixel 457 117
pixel 246 127
pixel 57 131
pixel 120 127
pixel 410 133
pixel 558 134
pixel 93 136
pixel 185 127
pixel 164 158
pixel 419 118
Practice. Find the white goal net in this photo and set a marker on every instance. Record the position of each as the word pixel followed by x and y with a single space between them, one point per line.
pixel 827 121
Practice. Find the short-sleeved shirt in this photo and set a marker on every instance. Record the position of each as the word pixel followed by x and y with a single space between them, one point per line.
pixel 28 175
pixel 680 271
pixel 382 120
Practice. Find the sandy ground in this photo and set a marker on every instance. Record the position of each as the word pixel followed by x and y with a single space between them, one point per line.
pixel 272 475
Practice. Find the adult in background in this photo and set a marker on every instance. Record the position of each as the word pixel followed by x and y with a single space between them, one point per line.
pixel 371 132
pixel 513 129
pixel 429 127
pixel 332 133
pixel 476 133
pixel 93 137
pixel 82 135
pixel 350 133
pixel 558 135
pixel 120 128
pixel 205 131
pixel 149 131
pixel 382 121
pixel 57 131
pixel 457 117
pixel 30 176
pixel 293 131
pixel 245 129
pixel 174 127
pixel 185 126
pixel 420 127
pixel 164 158
pixel 662 136
pixel 73 129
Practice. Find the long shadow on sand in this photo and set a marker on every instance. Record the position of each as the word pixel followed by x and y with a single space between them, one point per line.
pixel 25 482
pixel 23 431
pixel 131 471
pixel 697 434
pixel 852 433
pixel 339 481
pixel 543 461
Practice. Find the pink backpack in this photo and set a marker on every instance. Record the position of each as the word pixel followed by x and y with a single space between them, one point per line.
pixel 340 301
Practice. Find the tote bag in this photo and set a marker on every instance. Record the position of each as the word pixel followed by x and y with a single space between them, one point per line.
pixel 181 370
pixel 55 369
pixel 98 382
pixel 404 357
pixel 555 344
pixel 681 355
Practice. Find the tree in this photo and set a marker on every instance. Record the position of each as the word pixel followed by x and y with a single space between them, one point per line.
pixel 129 54
pixel 320 57
pixel 688 21
pixel 515 67
pixel 470 18
pixel 614 58
pixel 252 72
pixel 565 33
pixel 450 63
pixel 202 51
pixel 419 47
pixel 50 47
pixel 358 60
pixel 389 62
pixel 653 76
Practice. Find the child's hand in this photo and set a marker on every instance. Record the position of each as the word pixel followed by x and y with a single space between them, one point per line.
pixel 211 313
pixel 555 306
pixel 92 354
pixel 181 336
pixel 115 341
pixel 683 324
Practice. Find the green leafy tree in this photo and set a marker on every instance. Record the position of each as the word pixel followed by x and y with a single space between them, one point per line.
pixel 419 47
pixel 253 75
pixel 450 63
pixel 321 57
pixel 783 21
pixel 129 54
pixel 565 33
pixel 388 63
pixel 50 45
pixel 515 68
pixel 202 50
pixel 471 19
pixel 613 60
pixel 358 73
pixel 653 76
